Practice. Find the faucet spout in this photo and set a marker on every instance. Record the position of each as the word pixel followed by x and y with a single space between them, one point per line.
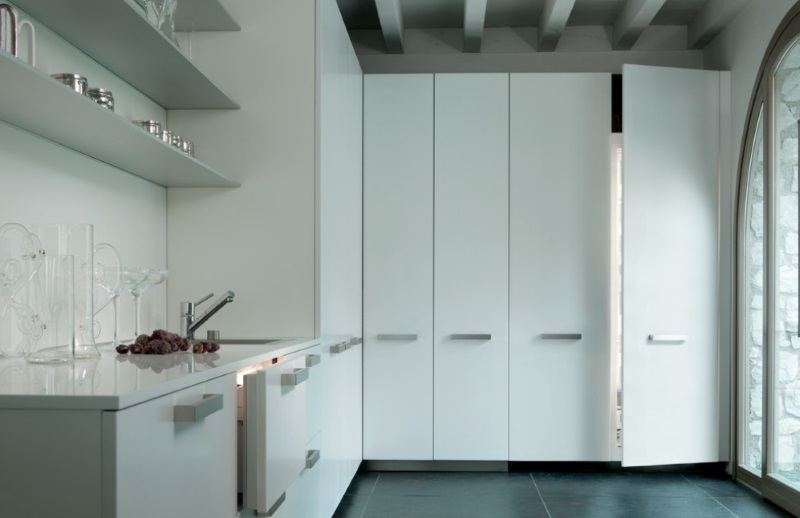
pixel 189 323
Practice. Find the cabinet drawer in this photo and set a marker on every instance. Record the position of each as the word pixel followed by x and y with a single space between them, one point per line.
pixel 274 431
pixel 174 455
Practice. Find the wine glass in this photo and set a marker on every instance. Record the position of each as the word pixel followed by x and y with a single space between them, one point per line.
pixel 116 280
pixel 154 277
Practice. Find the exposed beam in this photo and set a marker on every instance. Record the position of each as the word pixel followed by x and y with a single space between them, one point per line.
pixel 391 24
pixel 474 17
pixel 634 18
pixel 712 18
pixel 552 22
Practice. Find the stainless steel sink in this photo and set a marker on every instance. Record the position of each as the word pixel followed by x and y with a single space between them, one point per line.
pixel 245 341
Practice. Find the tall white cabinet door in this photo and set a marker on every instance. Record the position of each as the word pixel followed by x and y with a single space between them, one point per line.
pixel 398 267
pixel 560 227
pixel 670 275
pixel 471 267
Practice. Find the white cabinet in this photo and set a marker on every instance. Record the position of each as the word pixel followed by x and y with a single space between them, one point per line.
pixel 341 444
pixel 560 219
pixel 470 387
pixel 673 120
pixel 157 454
pixel 275 431
pixel 398 267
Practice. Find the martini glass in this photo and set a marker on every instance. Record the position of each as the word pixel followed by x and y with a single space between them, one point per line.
pixel 116 280
pixel 154 277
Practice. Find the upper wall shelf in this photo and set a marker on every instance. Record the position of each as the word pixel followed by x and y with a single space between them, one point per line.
pixel 117 34
pixel 204 15
pixel 39 104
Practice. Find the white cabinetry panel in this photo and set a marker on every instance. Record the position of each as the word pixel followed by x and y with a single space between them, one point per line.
pixel 153 465
pixel 275 431
pixel 560 228
pixel 670 260
pixel 471 267
pixel 398 267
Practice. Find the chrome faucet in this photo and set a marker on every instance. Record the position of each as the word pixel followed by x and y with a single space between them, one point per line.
pixel 188 322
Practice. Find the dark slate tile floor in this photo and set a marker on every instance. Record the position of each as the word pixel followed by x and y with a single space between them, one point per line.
pixel 549 495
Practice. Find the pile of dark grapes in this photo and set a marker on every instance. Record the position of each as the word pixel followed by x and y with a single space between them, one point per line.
pixel 164 342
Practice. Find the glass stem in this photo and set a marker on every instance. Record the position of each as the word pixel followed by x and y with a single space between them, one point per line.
pixel 136 313
pixel 115 301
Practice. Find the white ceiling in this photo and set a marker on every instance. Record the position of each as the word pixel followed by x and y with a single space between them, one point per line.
pixel 626 19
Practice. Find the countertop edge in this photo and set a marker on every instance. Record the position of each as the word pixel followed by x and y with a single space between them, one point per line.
pixel 261 354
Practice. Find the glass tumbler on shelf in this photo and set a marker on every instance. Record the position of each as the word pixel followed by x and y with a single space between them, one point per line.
pixel 54 301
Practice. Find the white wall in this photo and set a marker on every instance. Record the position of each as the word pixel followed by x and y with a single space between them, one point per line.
pixel 258 239
pixel 45 182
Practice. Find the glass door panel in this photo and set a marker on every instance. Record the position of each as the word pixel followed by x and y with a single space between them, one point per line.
pixel 752 312
pixel 783 355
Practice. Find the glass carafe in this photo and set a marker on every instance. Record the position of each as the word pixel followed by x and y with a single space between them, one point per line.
pixel 77 239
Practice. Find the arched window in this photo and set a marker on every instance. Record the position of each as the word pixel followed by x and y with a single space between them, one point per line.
pixel 768 294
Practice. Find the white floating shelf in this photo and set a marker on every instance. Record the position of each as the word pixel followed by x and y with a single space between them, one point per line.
pixel 117 34
pixel 37 103
pixel 203 15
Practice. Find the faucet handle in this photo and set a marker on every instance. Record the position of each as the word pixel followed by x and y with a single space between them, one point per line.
pixel 204 299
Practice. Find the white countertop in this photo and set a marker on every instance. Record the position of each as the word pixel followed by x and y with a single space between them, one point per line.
pixel 116 381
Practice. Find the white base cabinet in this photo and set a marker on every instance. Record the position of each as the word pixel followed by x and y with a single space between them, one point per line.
pixel 149 450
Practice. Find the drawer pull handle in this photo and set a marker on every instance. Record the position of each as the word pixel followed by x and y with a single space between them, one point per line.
pixel 205 407
pixel 477 336
pixel 339 348
pixel 398 337
pixel 356 340
pixel 312 456
pixel 292 379
pixel 281 499
pixel 313 359
pixel 562 336
pixel 667 338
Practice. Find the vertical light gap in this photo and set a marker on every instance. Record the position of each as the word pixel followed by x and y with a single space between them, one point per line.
pixel 433 276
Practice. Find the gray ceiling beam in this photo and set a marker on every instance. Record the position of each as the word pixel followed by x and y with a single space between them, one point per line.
pixel 711 20
pixel 391 24
pixel 634 18
pixel 552 22
pixel 474 18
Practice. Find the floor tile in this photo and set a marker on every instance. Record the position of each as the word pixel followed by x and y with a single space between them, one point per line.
pixel 363 483
pixel 351 506
pixel 638 506
pixel 753 507
pixel 717 485
pixel 453 483
pixel 455 506
pixel 615 484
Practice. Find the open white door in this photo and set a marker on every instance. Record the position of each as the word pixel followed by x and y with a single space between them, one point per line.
pixel 671 142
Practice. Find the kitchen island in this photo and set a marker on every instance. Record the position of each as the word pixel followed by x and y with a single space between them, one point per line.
pixel 128 435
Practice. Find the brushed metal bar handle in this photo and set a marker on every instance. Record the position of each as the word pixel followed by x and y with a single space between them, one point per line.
pixel 292 379
pixel 313 359
pixel 477 336
pixel 281 499
pixel 667 338
pixel 562 336
pixel 356 340
pixel 312 456
pixel 410 337
pixel 339 348
pixel 205 407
